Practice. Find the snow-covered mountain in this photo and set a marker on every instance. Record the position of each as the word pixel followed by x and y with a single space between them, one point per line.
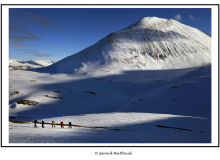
pixel 151 43
pixel 28 64
pixel 159 92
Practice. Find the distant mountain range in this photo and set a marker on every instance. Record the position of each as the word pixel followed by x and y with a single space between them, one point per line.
pixel 28 64
pixel 151 43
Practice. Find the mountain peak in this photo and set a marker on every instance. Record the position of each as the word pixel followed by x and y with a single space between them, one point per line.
pixel 150 22
pixel 156 19
pixel 151 43
pixel 151 19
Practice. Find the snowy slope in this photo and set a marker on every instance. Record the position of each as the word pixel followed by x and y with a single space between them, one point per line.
pixel 151 43
pixel 135 91
pixel 28 64
pixel 182 97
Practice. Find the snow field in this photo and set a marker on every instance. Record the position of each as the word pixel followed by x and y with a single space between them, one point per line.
pixel 152 106
pixel 117 128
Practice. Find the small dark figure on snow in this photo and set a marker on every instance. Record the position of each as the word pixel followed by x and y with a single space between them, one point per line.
pixel 35 123
pixel 69 125
pixel 53 124
pixel 42 124
pixel 61 124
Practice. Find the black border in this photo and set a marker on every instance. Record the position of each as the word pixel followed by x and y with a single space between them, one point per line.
pixel 144 5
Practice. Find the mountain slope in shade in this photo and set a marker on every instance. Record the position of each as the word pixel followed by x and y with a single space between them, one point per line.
pixel 151 43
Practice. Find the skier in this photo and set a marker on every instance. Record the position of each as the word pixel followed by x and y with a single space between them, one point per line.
pixel 69 125
pixel 53 124
pixel 61 124
pixel 35 123
pixel 42 124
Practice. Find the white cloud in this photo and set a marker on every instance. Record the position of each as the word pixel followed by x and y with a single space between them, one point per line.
pixel 178 17
pixel 191 17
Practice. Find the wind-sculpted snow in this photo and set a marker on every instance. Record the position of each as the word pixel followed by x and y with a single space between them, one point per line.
pixel 151 43
pixel 160 39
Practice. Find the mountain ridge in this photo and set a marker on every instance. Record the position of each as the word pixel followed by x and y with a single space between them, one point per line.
pixel 28 64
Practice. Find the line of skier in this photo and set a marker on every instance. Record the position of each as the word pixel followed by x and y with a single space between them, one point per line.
pixel 53 124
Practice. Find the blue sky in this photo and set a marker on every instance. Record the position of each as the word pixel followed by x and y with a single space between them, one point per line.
pixel 55 33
